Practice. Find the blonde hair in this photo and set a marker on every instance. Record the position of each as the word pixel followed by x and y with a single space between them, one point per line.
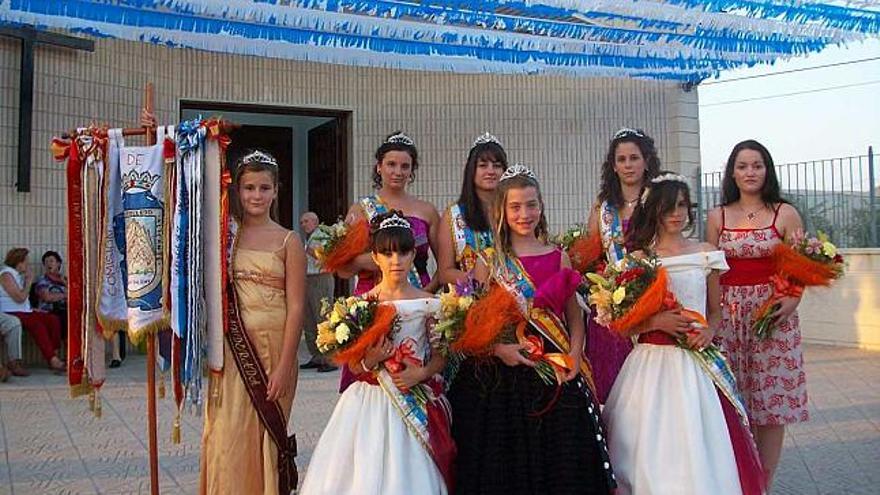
pixel 503 248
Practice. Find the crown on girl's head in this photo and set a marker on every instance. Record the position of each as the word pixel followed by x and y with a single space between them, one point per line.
pixel 668 177
pixel 258 156
pixel 517 169
pixel 400 138
pixel 484 139
pixel 394 221
pixel 626 132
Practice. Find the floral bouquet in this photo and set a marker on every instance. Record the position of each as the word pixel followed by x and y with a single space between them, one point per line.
pixel 628 292
pixel 340 243
pixel 805 262
pixel 352 324
pixel 496 318
pixel 583 248
pixel 454 306
pixel 634 289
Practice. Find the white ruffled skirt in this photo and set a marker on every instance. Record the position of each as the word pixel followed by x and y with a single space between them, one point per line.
pixel 666 428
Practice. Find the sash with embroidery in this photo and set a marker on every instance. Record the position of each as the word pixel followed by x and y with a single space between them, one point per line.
pixel 62 150
pixel 143 200
pixel 427 415
pixel 372 206
pixel 611 228
pixel 514 278
pixel 718 369
pixel 218 233
pixel 469 244
pixel 92 149
pixel 256 382
pixel 188 319
pixel 111 307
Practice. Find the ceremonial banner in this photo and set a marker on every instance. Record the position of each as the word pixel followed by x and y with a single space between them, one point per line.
pixel 92 147
pixel 187 275
pixel 215 257
pixel 146 249
pixel 112 309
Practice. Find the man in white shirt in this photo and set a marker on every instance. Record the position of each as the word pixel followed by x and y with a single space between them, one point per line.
pixel 318 286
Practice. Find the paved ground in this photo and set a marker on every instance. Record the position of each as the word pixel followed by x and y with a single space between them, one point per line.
pixel 51 444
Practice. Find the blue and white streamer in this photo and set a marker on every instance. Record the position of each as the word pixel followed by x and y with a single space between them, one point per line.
pixel 680 40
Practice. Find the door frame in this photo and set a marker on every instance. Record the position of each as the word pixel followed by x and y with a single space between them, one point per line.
pixel 342 116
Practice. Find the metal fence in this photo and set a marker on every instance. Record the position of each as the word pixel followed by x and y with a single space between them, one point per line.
pixel 837 196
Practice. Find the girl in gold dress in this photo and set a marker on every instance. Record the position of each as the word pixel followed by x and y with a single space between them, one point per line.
pixel 239 455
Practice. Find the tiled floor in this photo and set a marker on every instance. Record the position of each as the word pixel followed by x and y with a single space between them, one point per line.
pixel 52 444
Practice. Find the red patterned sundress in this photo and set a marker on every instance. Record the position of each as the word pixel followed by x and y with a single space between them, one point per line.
pixel 770 373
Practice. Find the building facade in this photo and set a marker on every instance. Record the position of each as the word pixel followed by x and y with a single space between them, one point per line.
pixel 558 125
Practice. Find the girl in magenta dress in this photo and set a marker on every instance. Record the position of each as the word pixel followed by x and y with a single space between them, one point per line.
pixel 630 162
pixel 515 433
pixel 397 160
pixel 752 220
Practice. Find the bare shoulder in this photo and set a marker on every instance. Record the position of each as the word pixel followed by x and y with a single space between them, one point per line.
pixel 707 247
pixel 788 212
pixel 715 214
pixel 426 209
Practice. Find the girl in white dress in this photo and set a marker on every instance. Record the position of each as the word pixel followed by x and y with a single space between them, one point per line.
pixel 676 424
pixel 381 438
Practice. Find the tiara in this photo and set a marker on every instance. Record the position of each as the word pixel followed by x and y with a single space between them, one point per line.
pixel 394 221
pixel 669 177
pixel 626 131
pixel 486 138
pixel 516 170
pixel 661 178
pixel 259 157
pixel 400 138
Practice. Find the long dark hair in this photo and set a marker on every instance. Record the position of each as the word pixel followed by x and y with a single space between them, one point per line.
pixel 468 200
pixel 390 239
pixel 770 191
pixel 610 190
pixel 397 146
pixel 660 200
pixel 253 161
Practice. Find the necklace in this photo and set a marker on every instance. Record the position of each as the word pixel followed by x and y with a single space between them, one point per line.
pixel 750 216
pixel 630 202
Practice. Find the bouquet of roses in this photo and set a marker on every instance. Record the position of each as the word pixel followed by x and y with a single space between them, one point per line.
pixel 352 324
pixel 340 243
pixel 584 249
pixel 454 306
pixel 634 289
pixel 808 261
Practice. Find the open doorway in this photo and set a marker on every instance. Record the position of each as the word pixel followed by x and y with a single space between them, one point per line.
pixel 311 147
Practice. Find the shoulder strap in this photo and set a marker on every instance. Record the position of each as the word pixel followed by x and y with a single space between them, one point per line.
pixel 776 213
pixel 286 238
pixel 722 217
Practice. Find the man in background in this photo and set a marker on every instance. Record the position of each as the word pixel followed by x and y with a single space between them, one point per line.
pixel 318 286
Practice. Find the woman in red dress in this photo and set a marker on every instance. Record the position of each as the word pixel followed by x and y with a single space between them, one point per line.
pixel 752 219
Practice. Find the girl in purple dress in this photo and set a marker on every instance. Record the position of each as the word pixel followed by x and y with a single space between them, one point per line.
pixel 630 163
pixel 515 433
pixel 397 160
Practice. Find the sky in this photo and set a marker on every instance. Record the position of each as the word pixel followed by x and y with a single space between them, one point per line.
pixel 812 126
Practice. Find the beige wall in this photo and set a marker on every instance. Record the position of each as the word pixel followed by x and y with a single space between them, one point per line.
pixel 849 312
pixel 560 126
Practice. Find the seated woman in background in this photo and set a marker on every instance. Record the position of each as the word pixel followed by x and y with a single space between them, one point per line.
pixel 16 279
